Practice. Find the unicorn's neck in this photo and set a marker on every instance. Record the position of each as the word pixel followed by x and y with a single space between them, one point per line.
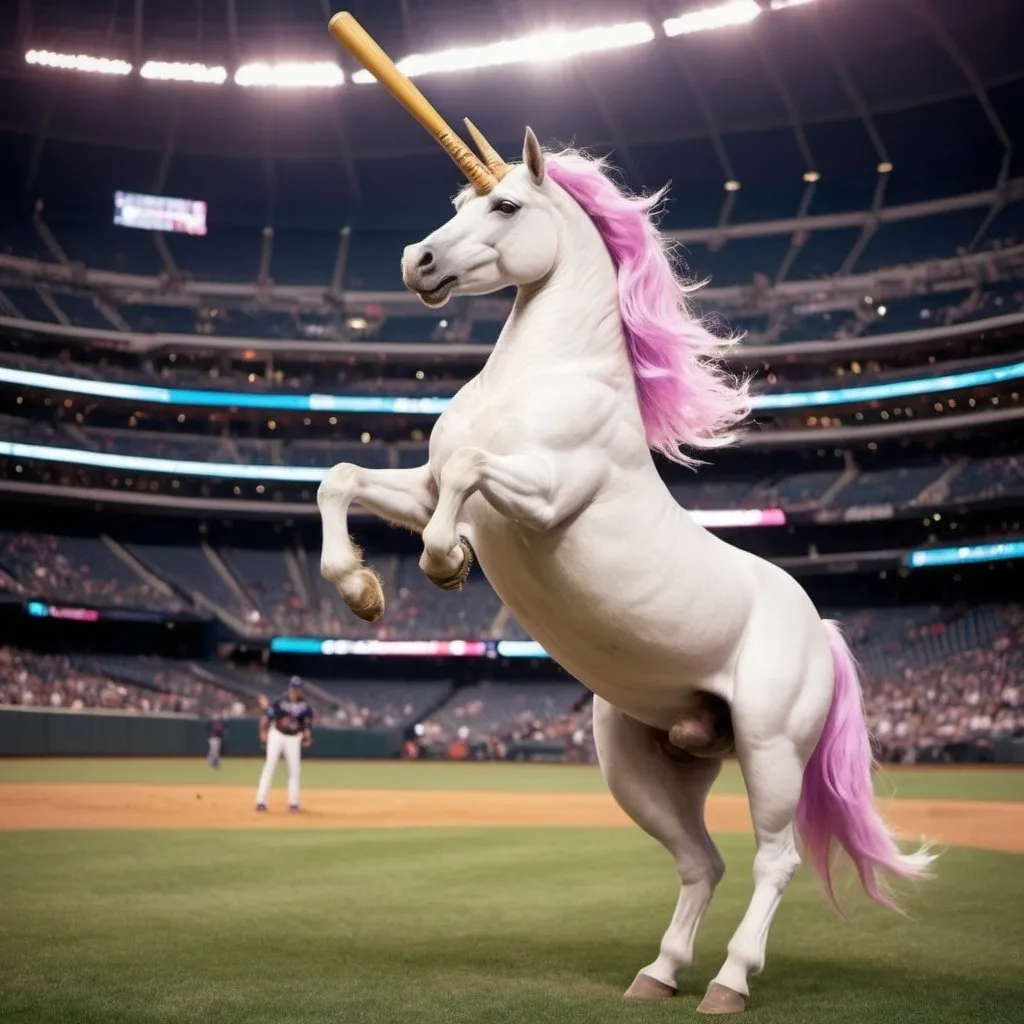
pixel 572 316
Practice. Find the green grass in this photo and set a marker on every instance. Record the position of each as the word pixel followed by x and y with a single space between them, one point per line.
pixel 463 927
pixel 927 782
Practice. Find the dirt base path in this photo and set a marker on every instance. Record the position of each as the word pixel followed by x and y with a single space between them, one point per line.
pixel 992 826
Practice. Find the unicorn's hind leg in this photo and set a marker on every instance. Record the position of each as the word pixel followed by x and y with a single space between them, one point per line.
pixel 664 792
pixel 773 775
pixel 777 718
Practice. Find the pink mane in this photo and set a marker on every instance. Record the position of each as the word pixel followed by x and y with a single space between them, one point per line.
pixel 687 399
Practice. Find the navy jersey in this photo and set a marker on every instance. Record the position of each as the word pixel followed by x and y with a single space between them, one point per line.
pixel 216 728
pixel 290 716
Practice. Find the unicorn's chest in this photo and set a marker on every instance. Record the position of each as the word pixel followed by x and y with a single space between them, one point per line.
pixel 464 423
pixel 529 412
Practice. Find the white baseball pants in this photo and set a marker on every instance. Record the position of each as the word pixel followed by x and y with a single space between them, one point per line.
pixel 291 746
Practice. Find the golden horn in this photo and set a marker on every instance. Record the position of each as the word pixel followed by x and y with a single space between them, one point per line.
pixel 492 158
pixel 347 31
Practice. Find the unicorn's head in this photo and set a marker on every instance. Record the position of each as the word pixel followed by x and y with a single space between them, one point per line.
pixel 511 229
pixel 559 207
pixel 507 236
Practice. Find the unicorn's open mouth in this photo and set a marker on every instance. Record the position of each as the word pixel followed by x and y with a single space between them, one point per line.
pixel 438 296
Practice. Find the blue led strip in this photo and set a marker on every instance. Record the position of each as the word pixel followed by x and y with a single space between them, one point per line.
pixel 434 405
pixel 894 389
pixel 146 464
pixel 924 557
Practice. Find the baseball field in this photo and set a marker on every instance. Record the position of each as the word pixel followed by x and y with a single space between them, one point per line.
pixel 148 890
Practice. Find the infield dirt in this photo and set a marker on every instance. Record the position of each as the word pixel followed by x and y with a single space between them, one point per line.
pixel 991 826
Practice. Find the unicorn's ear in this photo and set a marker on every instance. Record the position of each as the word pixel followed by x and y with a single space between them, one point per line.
pixel 533 157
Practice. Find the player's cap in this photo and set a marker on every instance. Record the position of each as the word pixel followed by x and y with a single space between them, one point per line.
pixel 295 683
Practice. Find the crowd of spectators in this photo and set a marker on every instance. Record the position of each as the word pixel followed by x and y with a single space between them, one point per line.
pixel 937 687
pixel 77 570
pixel 56 681
pixel 927 702
pixel 384 703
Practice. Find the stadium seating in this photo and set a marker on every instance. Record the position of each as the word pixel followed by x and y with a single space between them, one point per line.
pixel 29 303
pixel 278 594
pixel 503 710
pixel 897 486
pixel 144 685
pixel 78 570
pixel 988 478
pixel 384 703
pixel 190 571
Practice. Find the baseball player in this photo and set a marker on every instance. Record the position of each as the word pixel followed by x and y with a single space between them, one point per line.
pixel 285 728
pixel 215 733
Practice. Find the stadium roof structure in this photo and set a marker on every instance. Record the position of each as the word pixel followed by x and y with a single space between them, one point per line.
pixel 811 106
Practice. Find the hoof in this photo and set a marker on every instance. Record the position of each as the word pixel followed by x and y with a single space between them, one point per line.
pixel 646 989
pixel 363 594
pixel 458 578
pixel 720 999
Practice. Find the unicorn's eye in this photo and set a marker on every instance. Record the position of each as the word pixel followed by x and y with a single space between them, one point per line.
pixel 505 207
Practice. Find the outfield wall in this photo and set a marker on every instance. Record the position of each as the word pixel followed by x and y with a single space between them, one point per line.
pixel 35 732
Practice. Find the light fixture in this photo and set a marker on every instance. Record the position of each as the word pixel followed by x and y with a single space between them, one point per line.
pixel 885 167
pixel 357 323
pixel 78 62
pixel 543 47
pixel 812 176
pixel 172 71
pixel 781 5
pixel 732 185
pixel 734 12
pixel 291 75
pixel 882 310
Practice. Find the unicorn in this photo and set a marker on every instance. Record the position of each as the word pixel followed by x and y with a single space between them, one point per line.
pixel 541 470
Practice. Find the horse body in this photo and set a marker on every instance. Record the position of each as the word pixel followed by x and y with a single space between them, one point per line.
pixel 642 617
pixel 541 465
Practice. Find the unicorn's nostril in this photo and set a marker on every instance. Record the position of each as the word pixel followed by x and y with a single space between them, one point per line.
pixel 425 260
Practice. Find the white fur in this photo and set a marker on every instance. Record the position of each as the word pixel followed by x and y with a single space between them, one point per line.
pixel 541 463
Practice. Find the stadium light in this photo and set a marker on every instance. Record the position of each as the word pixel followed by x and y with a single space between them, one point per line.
pixel 323 74
pixel 885 167
pixel 172 71
pixel 810 177
pixel 78 62
pixel 734 12
pixel 732 185
pixel 542 47
pixel 781 5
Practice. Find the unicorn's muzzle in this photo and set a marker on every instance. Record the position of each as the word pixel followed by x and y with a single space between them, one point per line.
pixel 422 274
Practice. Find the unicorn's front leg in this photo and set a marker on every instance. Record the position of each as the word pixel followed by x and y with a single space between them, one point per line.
pixel 401 496
pixel 536 490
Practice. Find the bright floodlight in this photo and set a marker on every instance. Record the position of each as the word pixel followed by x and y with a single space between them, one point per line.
pixel 812 176
pixel 175 72
pixel 781 5
pixel 735 12
pixel 291 75
pixel 79 62
pixel 732 185
pixel 543 47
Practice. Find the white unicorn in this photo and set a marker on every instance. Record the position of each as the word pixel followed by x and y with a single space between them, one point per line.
pixel 542 467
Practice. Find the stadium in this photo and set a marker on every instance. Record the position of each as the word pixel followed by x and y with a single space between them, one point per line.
pixel 203 212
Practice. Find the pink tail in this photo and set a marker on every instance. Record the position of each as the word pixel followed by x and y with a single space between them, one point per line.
pixel 837 802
